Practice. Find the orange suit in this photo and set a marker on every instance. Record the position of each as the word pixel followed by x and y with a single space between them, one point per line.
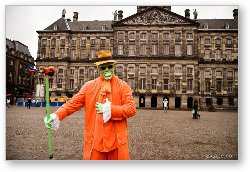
pixel 99 136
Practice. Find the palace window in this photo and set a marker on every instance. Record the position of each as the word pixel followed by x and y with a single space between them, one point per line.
pixel 218 55
pixel 218 42
pixel 189 36
pixel 177 50
pixel 229 74
pixel 131 36
pixel 154 84
pixel 207 73
pixel 142 84
pixel 165 70
pixel 230 87
pixel 83 42
pixel 131 82
pixel 131 50
pixel 81 82
pixel 189 50
pixel 154 49
pixel 143 36
pixel 53 42
pixel 73 42
pixel 92 42
pixel 102 42
pixel 207 86
pixel 120 49
pixel 229 54
pixel 59 83
pixel 92 53
pixel 119 71
pixel 165 49
pixel 104 27
pixel 219 86
pixel 165 36
pixel 73 54
pixel 177 36
pixel 207 41
pixel 189 84
pixel 60 71
pixel 165 84
pixel 82 55
pixel 52 53
pixel 154 70
pixel 143 49
pixel 229 41
pixel 81 71
pixel 142 70
pixel 218 73
pixel 131 69
pixel 50 82
pixel 62 50
pixel 207 54
pixel 62 42
pixel 154 36
pixel 120 36
pixel 71 84
pixel 178 69
pixel 177 84
pixel 91 73
pixel 43 53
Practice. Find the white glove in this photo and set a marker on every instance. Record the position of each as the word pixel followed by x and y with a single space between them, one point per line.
pixel 106 110
pixel 53 122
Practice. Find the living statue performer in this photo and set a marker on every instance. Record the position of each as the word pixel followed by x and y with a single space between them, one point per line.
pixel 108 103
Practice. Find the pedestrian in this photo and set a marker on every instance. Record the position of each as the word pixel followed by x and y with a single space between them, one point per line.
pixel 29 102
pixel 33 102
pixel 165 105
pixel 108 102
pixel 195 110
pixel 36 103
pixel 8 102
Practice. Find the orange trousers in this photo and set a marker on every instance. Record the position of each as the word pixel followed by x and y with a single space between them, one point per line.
pixel 111 155
pixel 120 153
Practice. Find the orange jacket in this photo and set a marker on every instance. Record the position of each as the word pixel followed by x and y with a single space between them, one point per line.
pixel 122 107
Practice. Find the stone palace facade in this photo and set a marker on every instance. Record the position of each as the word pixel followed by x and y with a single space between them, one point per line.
pixel 160 54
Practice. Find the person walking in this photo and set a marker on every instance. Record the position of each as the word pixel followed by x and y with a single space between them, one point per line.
pixel 108 102
pixel 29 102
pixel 8 102
pixel 33 102
pixel 165 105
pixel 195 110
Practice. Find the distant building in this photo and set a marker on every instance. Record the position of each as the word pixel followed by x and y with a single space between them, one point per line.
pixel 160 54
pixel 18 84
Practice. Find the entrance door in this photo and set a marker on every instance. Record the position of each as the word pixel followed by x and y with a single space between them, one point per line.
pixel 141 101
pixel 208 102
pixel 177 102
pixel 153 101
pixel 190 102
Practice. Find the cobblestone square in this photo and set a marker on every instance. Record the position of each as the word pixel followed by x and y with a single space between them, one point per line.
pixel 153 135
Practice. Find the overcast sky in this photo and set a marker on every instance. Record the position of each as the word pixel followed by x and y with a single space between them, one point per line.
pixel 22 22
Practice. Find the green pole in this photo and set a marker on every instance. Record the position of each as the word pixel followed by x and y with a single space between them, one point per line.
pixel 48 114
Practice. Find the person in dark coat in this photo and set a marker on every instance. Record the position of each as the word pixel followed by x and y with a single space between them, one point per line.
pixel 29 102
pixel 195 110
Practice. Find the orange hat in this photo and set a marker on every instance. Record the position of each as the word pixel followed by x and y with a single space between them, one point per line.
pixel 104 57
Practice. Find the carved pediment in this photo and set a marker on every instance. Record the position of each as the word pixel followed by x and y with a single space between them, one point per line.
pixel 155 17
